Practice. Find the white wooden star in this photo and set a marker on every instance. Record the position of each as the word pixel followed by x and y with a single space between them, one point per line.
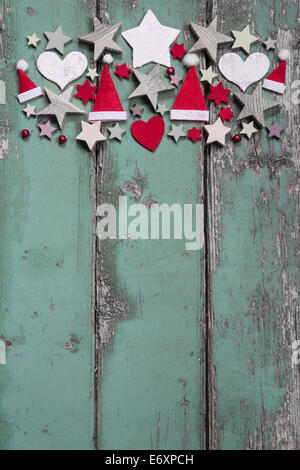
pixel 90 133
pixel 92 73
pixel 57 40
pixel 151 41
pixel 102 38
pixel 243 39
pixel 217 132
pixel 33 40
pixel 150 85
pixel 29 110
pixel 60 105
pixel 207 75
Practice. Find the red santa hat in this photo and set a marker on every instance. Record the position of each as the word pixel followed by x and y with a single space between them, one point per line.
pixel 27 89
pixel 276 81
pixel 108 106
pixel 190 103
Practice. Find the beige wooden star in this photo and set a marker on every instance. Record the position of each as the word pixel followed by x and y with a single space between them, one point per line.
pixel 248 129
pixel 92 73
pixel 33 40
pixel 243 39
pixel 207 75
pixel 90 133
pixel 217 132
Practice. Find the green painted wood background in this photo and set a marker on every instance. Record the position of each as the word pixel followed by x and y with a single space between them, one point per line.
pixel 171 349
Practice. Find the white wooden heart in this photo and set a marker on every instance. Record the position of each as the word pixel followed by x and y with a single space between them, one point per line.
pixel 244 73
pixel 62 72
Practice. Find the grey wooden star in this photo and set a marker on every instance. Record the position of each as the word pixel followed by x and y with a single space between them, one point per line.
pixel 46 130
pixel 270 43
pixel 208 38
pixel 162 109
pixel 102 37
pixel 60 105
pixel 116 132
pixel 175 79
pixel 254 105
pixel 150 85
pixel 274 130
pixel 136 110
pixel 176 132
pixel 57 40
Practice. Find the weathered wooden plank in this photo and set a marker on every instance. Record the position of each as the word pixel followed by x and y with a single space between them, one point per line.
pixel 149 294
pixel 46 391
pixel 253 228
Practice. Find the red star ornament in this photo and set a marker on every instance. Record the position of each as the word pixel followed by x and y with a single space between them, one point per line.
pixel 122 71
pixel 226 114
pixel 86 92
pixel 219 94
pixel 194 134
pixel 178 51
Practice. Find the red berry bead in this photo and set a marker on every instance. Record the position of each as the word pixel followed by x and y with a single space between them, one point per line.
pixel 62 139
pixel 25 134
pixel 170 71
pixel 236 138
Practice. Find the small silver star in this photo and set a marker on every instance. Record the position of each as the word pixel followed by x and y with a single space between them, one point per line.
pixel 207 75
pixel 176 132
pixel 162 109
pixel 90 133
pixel 46 130
pixel 29 110
pixel 33 40
pixel 175 79
pixel 254 105
pixel 102 38
pixel 60 105
pixel 150 85
pixel 274 130
pixel 57 40
pixel 92 73
pixel 248 129
pixel 136 110
pixel 116 132
pixel 270 43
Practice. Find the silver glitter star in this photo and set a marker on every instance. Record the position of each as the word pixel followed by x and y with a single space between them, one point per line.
pixel 60 105
pixel 150 85
pixel 270 43
pixel 274 130
pixel 208 38
pixel 254 105
pixel 29 110
pixel 176 132
pixel 102 38
pixel 136 110
pixel 57 40
pixel 162 109
pixel 175 79
pixel 116 132
pixel 46 130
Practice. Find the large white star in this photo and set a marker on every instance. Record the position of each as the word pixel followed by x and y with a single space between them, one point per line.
pixel 150 41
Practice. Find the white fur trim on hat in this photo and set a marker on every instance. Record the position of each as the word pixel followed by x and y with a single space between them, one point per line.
pixel 22 65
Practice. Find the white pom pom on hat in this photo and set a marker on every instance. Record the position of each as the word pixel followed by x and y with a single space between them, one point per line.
pixel 191 60
pixel 22 65
pixel 108 59
pixel 284 54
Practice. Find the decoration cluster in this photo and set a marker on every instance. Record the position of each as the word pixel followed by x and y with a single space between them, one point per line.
pixel 153 42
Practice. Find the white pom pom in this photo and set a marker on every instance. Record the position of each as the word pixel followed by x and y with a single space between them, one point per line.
pixel 22 65
pixel 191 59
pixel 108 59
pixel 284 54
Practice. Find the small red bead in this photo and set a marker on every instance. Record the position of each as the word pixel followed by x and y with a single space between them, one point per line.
pixel 236 138
pixel 25 133
pixel 170 71
pixel 62 139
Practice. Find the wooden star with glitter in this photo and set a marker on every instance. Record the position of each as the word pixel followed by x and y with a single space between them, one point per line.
pixel 86 92
pixel 46 130
pixel 102 38
pixel 29 110
pixel 217 132
pixel 150 85
pixel 60 105
pixel 243 39
pixel 57 40
pixel 208 38
pixel 274 130
pixel 270 43
pixel 90 133
pixel 254 105
pixel 219 94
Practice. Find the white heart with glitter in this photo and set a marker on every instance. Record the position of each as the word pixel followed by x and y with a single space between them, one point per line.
pixel 62 72
pixel 244 73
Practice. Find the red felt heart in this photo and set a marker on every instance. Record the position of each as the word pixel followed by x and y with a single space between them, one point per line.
pixel 149 134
